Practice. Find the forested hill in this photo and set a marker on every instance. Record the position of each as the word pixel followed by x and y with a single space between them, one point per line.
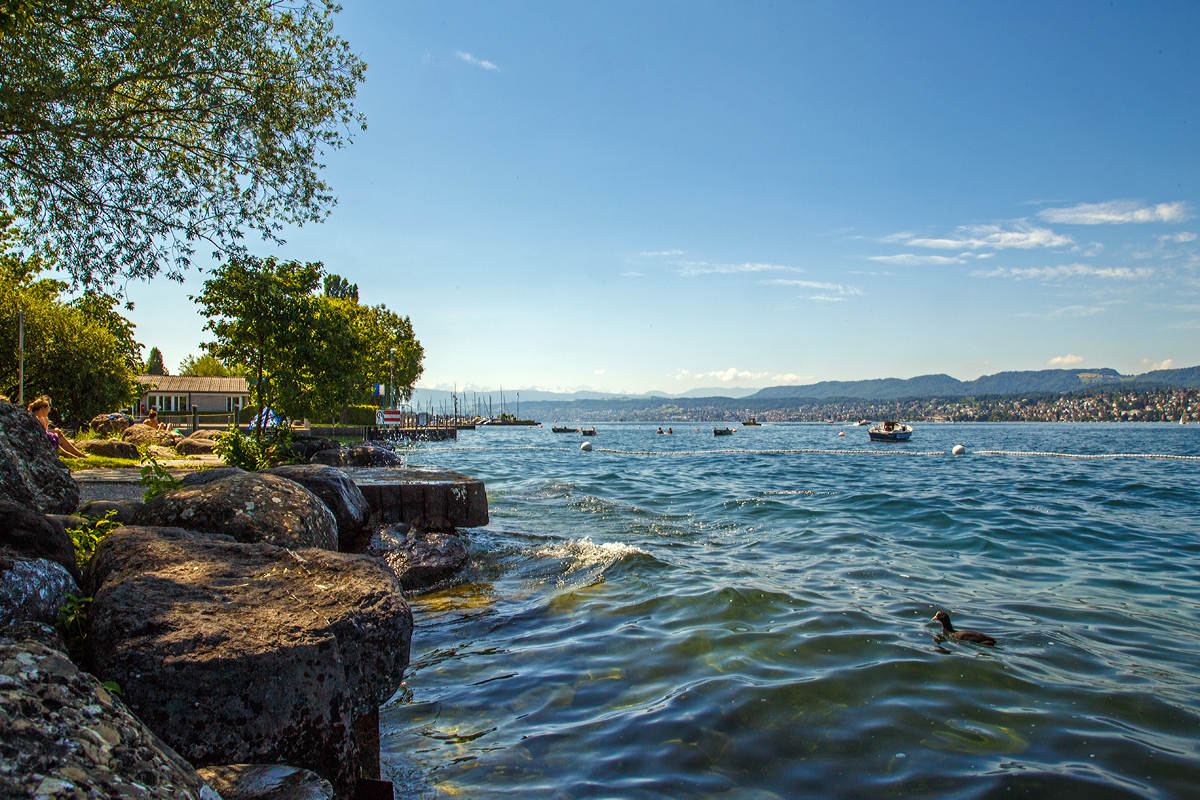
pixel 1046 380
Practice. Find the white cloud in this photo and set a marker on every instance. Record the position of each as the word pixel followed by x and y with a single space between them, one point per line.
pixel 470 59
pixel 1181 237
pixel 1021 236
pixel 1076 311
pixel 790 378
pixel 632 275
pixel 1116 212
pixel 1064 361
pixel 826 298
pixel 1166 363
pixel 1066 271
pixel 663 253
pixel 834 287
pixel 598 372
pixel 693 268
pixel 912 260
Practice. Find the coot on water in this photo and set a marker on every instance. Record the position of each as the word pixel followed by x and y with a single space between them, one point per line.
pixel 964 636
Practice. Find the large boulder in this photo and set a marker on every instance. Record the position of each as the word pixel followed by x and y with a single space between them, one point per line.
pixel 124 511
pixel 361 455
pixel 26 535
pixel 139 434
pixel 237 653
pixel 250 507
pixel 109 448
pixel 337 492
pixel 196 447
pixel 203 476
pixel 31 473
pixel 420 560
pixel 304 447
pixel 161 452
pixel 62 734
pixel 33 590
pixel 206 433
pixel 266 782
pixel 110 424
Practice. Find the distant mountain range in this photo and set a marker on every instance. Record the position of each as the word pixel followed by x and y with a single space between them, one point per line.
pixel 1045 380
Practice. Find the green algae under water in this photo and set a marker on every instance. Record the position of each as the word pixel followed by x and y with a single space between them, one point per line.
pixel 672 621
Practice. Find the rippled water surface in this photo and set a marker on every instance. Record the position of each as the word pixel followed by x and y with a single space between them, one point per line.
pixel 696 617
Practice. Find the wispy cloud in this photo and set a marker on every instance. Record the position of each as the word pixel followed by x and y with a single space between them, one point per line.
pixel 692 268
pixel 1181 237
pixel 663 253
pixel 1151 365
pixel 824 298
pixel 1075 311
pixel 1020 235
pixel 598 372
pixel 470 59
pixel 1116 212
pixel 1064 361
pixel 833 287
pixel 631 275
pixel 913 260
pixel 1066 271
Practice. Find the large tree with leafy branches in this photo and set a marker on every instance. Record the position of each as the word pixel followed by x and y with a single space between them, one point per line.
pixel 305 353
pixel 133 132
pixel 81 352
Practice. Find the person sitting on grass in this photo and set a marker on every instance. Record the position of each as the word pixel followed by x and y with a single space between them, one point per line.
pixel 40 408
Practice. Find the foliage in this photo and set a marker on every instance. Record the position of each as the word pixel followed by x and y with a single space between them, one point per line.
pixel 361 415
pixel 102 308
pixel 307 354
pixel 154 362
pixel 208 366
pixel 339 288
pixel 131 131
pixel 85 538
pixel 72 624
pixel 71 351
pixel 237 449
pixel 156 479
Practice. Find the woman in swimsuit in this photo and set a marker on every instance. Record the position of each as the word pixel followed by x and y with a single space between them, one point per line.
pixel 40 408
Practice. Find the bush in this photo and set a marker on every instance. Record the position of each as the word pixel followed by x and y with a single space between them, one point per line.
pixel 361 415
pixel 238 449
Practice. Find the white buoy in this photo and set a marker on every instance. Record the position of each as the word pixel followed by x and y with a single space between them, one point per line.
pixel 958 450
pixel 586 447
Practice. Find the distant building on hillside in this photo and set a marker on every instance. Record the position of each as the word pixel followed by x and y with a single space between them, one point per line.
pixel 177 394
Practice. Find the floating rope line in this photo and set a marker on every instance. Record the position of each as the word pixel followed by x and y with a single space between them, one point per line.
pixel 1041 454
pixel 1080 455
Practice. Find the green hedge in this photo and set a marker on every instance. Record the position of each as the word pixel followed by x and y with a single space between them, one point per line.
pixel 361 415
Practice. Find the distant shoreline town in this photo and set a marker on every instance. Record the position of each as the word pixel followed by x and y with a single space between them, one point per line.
pixel 1092 405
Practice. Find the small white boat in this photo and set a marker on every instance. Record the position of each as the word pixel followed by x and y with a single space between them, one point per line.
pixel 890 432
pixel 862 422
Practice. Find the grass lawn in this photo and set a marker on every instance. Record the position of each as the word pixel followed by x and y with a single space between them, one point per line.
pixel 99 462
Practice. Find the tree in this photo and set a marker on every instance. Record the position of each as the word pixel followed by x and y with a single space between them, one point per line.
pixel 133 131
pixel 207 366
pixel 306 354
pixel 154 362
pixel 338 287
pixel 70 354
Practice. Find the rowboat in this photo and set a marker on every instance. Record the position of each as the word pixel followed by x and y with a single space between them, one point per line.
pixel 560 429
pixel 588 431
pixel 890 432
pixel 722 431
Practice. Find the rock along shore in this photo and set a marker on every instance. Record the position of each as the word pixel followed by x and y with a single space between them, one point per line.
pixel 242 630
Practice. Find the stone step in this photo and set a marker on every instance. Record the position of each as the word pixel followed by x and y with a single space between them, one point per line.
pixel 428 498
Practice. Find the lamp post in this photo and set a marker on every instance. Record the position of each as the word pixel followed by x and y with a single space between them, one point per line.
pixel 392 377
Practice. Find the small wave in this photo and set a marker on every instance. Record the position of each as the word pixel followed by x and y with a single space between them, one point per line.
pixel 584 553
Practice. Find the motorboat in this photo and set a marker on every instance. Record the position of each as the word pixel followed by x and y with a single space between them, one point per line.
pixel 750 423
pixel 862 422
pixel 722 431
pixel 562 429
pixel 890 432
pixel 588 431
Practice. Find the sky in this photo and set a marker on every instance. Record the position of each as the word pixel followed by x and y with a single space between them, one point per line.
pixel 631 196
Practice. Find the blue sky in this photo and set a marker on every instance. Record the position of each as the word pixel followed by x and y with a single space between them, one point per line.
pixel 636 196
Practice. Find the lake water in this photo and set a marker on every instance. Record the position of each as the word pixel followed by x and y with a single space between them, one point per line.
pixel 670 621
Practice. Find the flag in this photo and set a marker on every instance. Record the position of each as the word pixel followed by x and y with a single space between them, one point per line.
pixel 380 388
